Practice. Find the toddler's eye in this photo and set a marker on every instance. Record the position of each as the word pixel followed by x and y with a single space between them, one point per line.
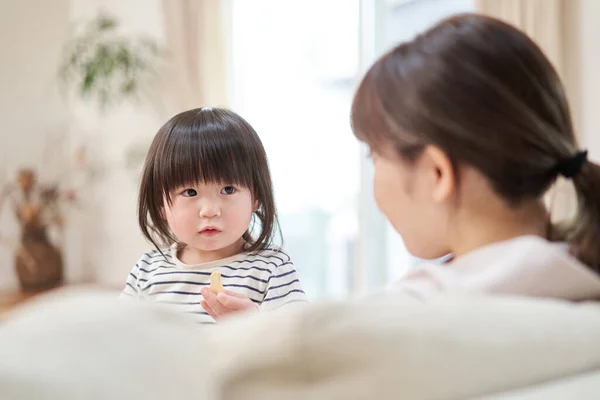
pixel 228 190
pixel 189 192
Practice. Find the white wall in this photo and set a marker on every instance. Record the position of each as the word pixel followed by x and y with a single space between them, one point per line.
pixel 112 241
pixel 31 35
pixel 103 239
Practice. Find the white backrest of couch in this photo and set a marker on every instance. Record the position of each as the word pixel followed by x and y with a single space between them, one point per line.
pixel 450 348
pixel 72 345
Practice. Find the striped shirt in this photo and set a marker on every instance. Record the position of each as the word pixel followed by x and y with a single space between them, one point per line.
pixel 267 277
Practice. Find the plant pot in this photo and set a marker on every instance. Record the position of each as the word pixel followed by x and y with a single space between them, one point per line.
pixel 38 262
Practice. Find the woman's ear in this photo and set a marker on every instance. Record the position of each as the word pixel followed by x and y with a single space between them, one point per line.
pixel 256 206
pixel 444 174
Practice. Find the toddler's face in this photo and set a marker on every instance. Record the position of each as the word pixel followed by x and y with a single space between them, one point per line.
pixel 209 217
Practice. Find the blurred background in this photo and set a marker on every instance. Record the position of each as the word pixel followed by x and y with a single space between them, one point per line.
pixel 85 84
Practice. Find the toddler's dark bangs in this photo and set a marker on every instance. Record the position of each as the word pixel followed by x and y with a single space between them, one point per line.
pixel 216 158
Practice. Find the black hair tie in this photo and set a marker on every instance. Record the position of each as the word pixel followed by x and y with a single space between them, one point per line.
pixel 571 166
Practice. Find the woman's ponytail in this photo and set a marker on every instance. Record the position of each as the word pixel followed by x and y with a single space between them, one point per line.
pixel 583 234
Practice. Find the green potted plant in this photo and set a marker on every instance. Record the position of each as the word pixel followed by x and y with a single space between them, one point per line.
pixel 104 66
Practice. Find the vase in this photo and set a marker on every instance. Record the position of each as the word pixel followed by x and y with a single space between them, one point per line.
pixel 38 262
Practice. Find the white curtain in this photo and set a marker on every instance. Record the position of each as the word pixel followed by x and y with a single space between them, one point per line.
pixel 196 35
pixel 542 20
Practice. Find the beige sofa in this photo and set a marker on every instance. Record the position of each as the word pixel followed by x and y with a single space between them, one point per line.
pixel 87 344
pixel 452 348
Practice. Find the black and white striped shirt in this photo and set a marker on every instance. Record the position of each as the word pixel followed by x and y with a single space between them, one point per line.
pixel 267 277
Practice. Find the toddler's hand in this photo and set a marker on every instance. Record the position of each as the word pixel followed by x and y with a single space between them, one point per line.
pixel 225 302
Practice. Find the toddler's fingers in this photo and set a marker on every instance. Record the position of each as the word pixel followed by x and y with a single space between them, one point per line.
pixel 234 302
pixel 235 294
pixel 212 301
pixel 208 309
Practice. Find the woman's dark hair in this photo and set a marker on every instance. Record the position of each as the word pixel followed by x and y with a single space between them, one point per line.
pixel 209 145
pixel 485 94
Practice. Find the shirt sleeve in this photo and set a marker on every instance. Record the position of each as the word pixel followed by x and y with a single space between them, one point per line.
pixel 283 288
pixel 132 288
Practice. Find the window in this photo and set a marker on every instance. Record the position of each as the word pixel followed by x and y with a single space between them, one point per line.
pixel 293 78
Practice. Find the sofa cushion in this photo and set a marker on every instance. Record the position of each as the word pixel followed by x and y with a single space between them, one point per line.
pixel 444 349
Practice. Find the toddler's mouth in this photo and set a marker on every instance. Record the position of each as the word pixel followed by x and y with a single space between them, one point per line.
pixel 210 231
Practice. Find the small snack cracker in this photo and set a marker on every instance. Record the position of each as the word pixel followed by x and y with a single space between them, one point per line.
pixel 215 283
